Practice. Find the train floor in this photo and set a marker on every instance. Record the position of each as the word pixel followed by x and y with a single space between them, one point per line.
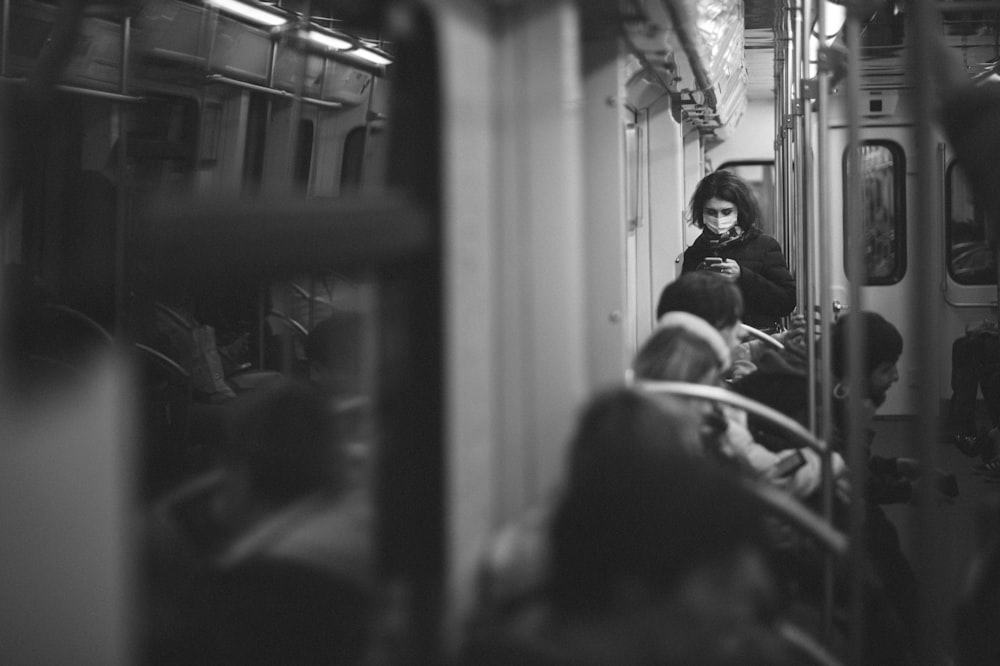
pixel 957 524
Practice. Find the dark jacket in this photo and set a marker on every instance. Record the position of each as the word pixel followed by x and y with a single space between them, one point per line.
pixel 768 286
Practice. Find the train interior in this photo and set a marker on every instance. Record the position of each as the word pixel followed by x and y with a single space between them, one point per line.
pixel 453 220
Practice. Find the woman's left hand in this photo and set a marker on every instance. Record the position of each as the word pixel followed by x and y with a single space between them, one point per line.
pixel 728 268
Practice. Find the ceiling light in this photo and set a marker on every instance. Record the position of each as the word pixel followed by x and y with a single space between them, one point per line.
pixel 372 56
pixel 251 12
pixel 328 40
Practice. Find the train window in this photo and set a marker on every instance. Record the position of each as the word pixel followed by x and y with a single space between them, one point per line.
pixel 883 223
pixel 971 259
pixel 303 155
pixel 352 164
pixel 759 175
pixel 253 159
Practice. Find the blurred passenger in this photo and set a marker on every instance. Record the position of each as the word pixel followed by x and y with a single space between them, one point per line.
pixel 515 565
pixel 290 578
pixel 709 296
pixel 333 350
pixel 732 244
pixel 296 583
pixel 686 348
pixel 888 480
pixel 655 556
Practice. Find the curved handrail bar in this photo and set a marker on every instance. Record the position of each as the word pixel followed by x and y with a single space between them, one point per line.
pixel 806 643
pixel 173 314
pixel 725 396
pixel 786 506
pixel 761 335
pixel 291 323
pixel 164 359
pixel 79 316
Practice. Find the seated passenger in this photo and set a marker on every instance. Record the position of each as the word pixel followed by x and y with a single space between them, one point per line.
pixel 686 348
pixel 719 302
pixel 295 585
pixel 655 556
pixel 515 564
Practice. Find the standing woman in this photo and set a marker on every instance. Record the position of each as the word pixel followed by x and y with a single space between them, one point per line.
pixel 732 244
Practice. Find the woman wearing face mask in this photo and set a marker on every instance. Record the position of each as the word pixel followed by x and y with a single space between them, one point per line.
pixel 733 245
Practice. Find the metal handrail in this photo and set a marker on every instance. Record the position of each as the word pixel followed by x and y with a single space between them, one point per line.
pixel 800 515
pixel 164 359
pixel 761 335
pixel 81 317
pixel 725 396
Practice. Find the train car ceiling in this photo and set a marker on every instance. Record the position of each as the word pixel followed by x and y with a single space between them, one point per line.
pixel 695 51
pixel 189 43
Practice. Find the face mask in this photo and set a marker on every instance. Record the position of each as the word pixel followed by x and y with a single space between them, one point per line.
pixel 721 225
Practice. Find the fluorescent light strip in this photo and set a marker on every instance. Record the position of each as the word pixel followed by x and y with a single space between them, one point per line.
pixel 329 41
pixel 372 57
pixel 249 12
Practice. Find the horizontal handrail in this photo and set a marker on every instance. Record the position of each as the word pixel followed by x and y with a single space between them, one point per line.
pixel 725 396
pixel 761 335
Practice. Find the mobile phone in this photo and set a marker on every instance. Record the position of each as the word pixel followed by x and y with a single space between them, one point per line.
pixel 712 260
pixel 790 464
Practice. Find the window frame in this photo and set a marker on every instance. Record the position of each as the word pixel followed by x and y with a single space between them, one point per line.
pixel 899 223
pixel 952 169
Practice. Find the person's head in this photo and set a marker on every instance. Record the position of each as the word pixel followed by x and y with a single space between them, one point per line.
pixel 333 351
pixel 284 437
pixel 623 419
pixel 710 296
pixel 881 347
pixel 683 348
pixel 638 511
pixel 723 200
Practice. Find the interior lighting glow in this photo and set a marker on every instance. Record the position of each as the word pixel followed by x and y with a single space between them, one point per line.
pixel 251 12
pixel 372 56
pixel 836 15
pixel 329 41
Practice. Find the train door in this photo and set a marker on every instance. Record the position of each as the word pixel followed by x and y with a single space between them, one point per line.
pixel 888 192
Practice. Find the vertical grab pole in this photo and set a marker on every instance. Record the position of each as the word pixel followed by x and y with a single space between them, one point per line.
pixel 801 117
pixel 4 37
pixel 789 127
pixel 855 252
pixel 807 281
pixel 824 234
pixel 122 214
pixel 925 23
pixel 780 180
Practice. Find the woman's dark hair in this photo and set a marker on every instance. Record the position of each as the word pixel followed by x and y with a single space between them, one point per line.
pixel 730 187
pixel 637 508
pixel 708 295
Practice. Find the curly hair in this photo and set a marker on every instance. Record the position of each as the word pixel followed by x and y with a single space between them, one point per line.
pixel 727 186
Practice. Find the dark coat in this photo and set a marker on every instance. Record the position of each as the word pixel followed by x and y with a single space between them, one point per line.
pixel 767 284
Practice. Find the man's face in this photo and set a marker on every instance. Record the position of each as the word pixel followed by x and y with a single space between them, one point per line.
pixel 881 378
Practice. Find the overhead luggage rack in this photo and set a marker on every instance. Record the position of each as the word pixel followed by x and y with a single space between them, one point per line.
pixel 697 50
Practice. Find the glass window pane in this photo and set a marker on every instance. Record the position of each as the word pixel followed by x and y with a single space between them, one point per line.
pixel 971 260
pixel 883 210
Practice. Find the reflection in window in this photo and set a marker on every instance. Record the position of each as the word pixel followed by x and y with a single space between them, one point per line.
pixel 971 259
pixel 883 210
